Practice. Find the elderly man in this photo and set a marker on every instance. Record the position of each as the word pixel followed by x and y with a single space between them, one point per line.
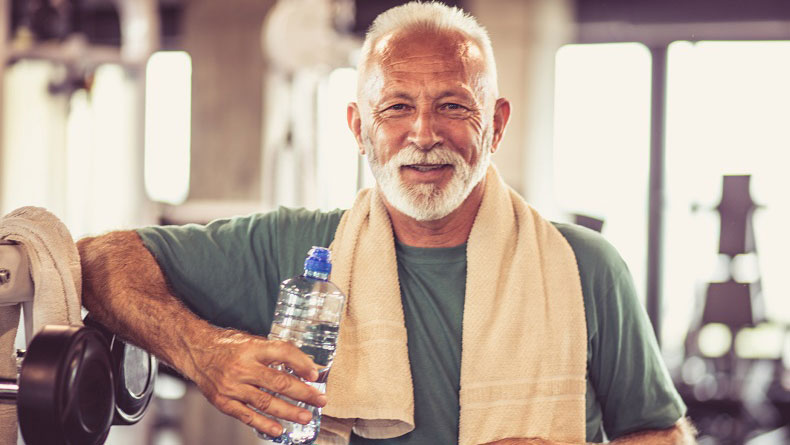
pixel 470 319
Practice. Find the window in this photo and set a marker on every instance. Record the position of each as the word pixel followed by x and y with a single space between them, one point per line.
pixel 727 113
pixel 33 127
pixel 337 155
pixel 72 152
pixel 168 100
pixel 602 142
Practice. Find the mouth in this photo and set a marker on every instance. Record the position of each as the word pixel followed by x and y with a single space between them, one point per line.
pixel 427 167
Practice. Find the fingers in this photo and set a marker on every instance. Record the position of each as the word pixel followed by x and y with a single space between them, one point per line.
pixel 283 383
pixel 235 367
pixel 248 416
pixel 239 406
pixel 274 406
pixel 276 352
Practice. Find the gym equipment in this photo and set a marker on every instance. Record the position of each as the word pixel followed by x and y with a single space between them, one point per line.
pixel 65 389
pixel 588 221
pixel 71 351
pixel 134 370
pixel 75 382
pixel 730 394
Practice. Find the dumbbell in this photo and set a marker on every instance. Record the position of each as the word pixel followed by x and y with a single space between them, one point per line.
pixel 75 382
pixel 134 370
pixel 65 391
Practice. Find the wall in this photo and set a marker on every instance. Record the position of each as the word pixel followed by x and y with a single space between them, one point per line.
pixel 228 70
pixel 223 39
pixel 525 35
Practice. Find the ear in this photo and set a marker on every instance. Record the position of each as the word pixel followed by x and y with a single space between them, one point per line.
pixel 355 125
pixel 501 117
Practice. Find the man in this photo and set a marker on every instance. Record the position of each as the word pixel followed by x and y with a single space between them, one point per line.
pixel 505 328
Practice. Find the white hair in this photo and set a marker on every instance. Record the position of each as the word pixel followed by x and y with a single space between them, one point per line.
pixel 431 16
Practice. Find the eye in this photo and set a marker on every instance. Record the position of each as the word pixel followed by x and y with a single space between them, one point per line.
pixel 394 110
pixel 453 107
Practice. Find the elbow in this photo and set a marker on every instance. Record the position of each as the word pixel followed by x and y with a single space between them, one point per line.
pixel 681 433
pixel 685 433
pixel 101 259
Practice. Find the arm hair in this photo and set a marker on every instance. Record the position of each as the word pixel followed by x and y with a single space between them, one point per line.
pixel 124 288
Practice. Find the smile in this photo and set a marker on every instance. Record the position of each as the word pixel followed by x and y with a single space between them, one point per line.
pixel 426 167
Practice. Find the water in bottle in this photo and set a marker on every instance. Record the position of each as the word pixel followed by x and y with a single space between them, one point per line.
pixel 308 315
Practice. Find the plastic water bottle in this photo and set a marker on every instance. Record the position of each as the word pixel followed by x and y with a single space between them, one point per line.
pixel 307 315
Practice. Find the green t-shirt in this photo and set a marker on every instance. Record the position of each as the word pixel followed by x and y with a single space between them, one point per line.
pixel 229 271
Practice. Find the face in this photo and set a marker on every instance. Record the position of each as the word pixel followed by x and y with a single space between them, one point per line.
pixel 427 120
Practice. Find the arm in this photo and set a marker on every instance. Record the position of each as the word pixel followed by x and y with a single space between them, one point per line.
pixel 630 386
pixel 682 433
pixel 125 289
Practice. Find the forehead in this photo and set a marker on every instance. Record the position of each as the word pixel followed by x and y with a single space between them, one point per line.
pixel 425 58
pixel 450 47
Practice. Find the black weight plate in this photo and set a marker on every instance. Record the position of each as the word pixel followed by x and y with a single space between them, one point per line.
pixel 66 388
pixel 135 372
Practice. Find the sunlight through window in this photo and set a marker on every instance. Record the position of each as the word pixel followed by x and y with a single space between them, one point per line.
pixel 337 149
pixel 167 126
pixel 727 113
pixel 602 142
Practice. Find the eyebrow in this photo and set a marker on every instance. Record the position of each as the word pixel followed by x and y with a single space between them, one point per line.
pixel 447 93
pixel 398 95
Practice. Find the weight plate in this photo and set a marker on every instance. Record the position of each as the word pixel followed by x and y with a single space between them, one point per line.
pixel 66 388
pixel 135 373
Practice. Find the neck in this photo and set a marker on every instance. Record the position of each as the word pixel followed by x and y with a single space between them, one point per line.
pixel 449 231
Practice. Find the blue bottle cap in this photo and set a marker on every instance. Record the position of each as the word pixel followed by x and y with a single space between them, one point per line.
pixel 318 261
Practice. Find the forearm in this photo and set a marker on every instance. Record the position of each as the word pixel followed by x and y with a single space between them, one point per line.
pixel 125 289
pixel 682 433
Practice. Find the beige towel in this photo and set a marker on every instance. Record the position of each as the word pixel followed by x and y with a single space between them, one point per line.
pixel 524 345
pixel 57 283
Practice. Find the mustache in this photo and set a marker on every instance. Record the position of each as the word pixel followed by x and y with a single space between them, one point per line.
pixel 438 155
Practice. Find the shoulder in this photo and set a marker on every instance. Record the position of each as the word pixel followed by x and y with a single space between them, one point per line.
pixel 280 222
pixel 287 216
pixel 605 279
pixel 594 254
pixel 283 225
pixel 293 224
pixel 288 234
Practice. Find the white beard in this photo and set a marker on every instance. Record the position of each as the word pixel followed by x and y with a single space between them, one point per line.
pixel 428 202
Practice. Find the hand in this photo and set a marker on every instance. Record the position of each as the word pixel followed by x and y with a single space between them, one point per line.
pixel 231 368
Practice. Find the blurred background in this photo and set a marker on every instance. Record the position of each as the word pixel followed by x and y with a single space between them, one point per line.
pixel 664 124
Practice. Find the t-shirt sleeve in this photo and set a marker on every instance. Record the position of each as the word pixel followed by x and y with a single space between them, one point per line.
pixel 228 271
pixel 631 382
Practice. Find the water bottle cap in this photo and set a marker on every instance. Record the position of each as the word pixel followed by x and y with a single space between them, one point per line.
pixel 318 260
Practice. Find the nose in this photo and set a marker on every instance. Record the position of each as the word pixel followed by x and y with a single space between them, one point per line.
pixel 424 132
